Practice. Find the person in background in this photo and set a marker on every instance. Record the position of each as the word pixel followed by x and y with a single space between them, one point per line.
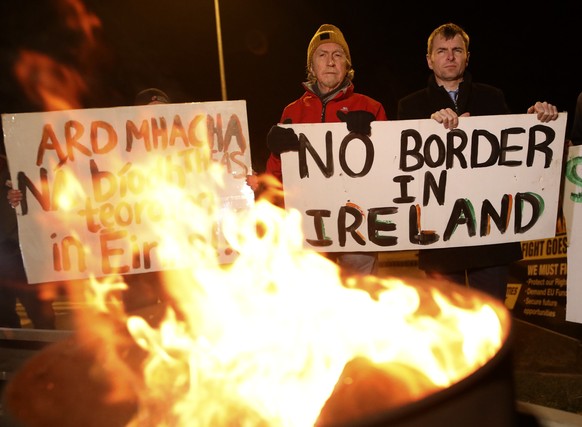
pixel 146 290
pixel 576 133
pixel 451 93
pixel 151 96
pixel 329 97
pixel 14 284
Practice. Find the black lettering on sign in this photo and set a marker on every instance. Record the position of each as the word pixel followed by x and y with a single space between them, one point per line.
pixel 319 227
pixel 305 146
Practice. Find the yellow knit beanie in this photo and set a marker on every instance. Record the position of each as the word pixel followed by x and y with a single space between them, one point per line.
pixel 327 33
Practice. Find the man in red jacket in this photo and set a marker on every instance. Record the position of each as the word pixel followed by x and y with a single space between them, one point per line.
pixel 329 97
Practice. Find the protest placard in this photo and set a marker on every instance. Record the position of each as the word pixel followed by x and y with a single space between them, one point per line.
pixel 102 185
pixel 415 185
pixel 573 214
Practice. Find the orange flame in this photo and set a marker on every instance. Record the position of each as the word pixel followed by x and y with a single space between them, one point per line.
pixel 49 83
pixel 53 84
pixel 277 337
pixel 266 339
pixel 273 331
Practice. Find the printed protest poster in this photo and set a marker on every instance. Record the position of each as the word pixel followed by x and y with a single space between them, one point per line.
pixel 537 289
pixel 415 185
pixel 546 284
pixel 101 186
pixel 573 214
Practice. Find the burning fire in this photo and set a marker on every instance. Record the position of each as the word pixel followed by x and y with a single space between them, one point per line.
pixel 277 338
pixel 251 342
pixel 52 83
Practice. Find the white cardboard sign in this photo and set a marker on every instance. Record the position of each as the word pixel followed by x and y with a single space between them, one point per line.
pixel 415 185
pixel 115 156
pixel 573 214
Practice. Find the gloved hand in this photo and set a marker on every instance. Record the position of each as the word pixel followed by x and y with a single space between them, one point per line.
pixel 280 140
pixel 358 121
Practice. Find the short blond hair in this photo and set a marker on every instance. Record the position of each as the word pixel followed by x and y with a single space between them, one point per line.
pixel 448 31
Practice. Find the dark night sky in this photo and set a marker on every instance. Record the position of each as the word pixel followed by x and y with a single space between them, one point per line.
pixel 531 54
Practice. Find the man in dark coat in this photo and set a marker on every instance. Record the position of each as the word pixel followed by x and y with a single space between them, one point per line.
pixel 451 94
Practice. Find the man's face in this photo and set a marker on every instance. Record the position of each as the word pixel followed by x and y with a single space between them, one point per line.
pixel 329 66
pixel 448 58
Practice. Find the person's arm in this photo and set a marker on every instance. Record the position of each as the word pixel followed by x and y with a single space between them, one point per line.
pixel 417 107
pixel 253 181
pixel 359 121
pixel 546 112
pixel 281 140
pixel 14 196
pixel 448 117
